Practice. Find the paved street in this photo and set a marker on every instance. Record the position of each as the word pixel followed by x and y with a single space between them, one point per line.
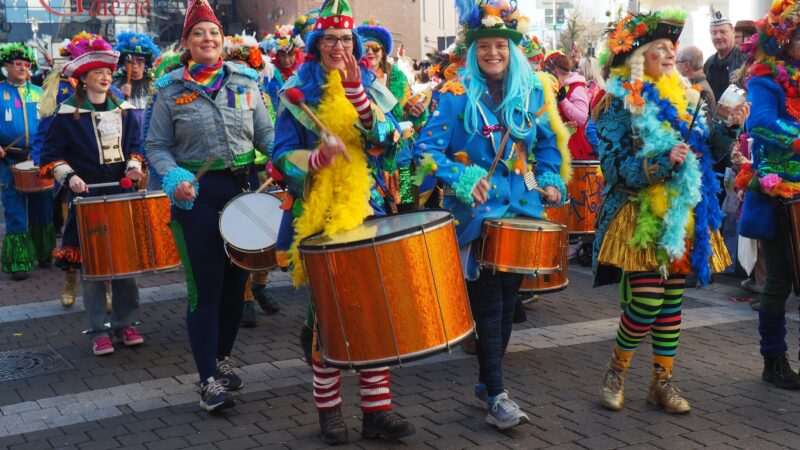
pixel 147 397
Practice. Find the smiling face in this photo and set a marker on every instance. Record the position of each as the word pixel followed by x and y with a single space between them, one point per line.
pixel 98 81
pixel 722 38
pixel 17 70
pixel 659 59
pixel 373 51
pixel 333 46
pixel 494 56
pixel 204 43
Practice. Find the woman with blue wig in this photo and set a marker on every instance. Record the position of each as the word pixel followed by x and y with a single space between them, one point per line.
pixel 334 183
pixel 496 93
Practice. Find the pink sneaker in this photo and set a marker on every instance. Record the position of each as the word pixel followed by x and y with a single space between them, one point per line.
pixel 102 346
pixel 131 337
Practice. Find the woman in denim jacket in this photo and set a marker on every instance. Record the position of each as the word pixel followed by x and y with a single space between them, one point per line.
pixel 207 111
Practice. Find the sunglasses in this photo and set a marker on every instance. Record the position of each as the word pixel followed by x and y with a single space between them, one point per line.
pixel 375 48
pixel 22 64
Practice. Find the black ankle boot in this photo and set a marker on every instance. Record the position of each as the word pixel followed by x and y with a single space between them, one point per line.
pixel 778 372
pixel 386 425
pixel 333 430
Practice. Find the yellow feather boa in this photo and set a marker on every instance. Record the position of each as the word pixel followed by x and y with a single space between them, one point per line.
pixel 337 198
pixel 558 127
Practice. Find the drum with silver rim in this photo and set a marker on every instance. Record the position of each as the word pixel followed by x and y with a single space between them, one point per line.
pixel 249 225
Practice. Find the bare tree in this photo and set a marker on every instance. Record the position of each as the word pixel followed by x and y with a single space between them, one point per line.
pixel 579 30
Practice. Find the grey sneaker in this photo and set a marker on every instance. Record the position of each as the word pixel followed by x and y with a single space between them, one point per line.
pixel 505 414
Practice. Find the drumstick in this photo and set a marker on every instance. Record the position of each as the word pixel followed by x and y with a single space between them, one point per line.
pixel 124 183
pixel 296 97
pixel 264 186
pixel 499 153
pixel 19 138
pixel 128 68
pixel 203 169
pixel 694 119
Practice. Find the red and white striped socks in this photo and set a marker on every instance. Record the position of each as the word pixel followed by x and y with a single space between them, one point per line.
pixel 375 393
pixel 374 384
pixel 357 96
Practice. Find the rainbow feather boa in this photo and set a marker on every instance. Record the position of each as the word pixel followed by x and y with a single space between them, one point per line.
pixel 338 197
pixel 687 200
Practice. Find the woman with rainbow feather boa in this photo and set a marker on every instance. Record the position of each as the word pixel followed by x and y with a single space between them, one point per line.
pixel 335 182
pixel 496 92
pixel 660 217
pixel 773 85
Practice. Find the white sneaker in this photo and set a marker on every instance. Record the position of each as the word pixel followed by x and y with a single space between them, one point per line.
pixel 505 414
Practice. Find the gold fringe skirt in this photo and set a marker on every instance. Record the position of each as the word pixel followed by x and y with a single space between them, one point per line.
pixel 616 250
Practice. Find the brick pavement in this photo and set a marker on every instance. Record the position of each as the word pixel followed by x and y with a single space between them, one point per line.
pixel 145 397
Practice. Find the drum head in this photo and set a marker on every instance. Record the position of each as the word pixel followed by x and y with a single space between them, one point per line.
pixel 381 229
pixel 25 165
pixel 251 221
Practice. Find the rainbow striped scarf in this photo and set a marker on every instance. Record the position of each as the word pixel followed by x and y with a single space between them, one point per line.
pixel 208 77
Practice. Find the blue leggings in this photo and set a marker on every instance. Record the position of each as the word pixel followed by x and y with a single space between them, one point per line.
pixel 493 297
pixel 215 285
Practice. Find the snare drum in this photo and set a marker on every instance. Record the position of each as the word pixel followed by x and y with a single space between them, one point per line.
pixel 555 281
pixel 249 226
pixel 389 291
pixel 125 235
pixel 586 196
pixel 522 245
pixel 793 208
pixel 26 178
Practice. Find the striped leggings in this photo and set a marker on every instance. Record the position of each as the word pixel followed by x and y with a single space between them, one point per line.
pixel 650 306
pixel 374 384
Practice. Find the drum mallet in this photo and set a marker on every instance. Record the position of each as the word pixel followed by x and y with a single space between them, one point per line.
pixel 124 183
pixel 296 97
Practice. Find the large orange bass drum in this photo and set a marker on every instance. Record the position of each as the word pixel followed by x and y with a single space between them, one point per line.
pixel 389 291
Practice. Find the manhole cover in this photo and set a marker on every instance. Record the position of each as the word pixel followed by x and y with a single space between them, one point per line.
pixel 30 362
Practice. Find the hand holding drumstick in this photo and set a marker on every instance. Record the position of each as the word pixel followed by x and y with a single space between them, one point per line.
pixel 330 145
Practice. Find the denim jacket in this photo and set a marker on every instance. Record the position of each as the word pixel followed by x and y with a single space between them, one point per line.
pixel 185 126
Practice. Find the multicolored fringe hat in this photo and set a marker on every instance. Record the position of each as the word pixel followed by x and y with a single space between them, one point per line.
pixel 532 48
pixel 243 48
pixel 775 31
pixel 89 52
pixel 130 43
pixel 333 15
pixel 490 18
pixel 636 30
pixel 375 32
pixel 305 23
pixel 17 50
pixel 283 40
pixel 198 11
pixel 167 62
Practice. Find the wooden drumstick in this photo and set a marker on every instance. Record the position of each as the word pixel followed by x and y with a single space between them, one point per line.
pixel 498 154
pixel 129 75
pixel 296 97
pixel 264 186
pixel 203 169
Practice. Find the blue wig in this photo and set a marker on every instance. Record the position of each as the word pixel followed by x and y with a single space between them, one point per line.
pixel 379 34
pixel 518 86
pixel 132 43
pixel 311 75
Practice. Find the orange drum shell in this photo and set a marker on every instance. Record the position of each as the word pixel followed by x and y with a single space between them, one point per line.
pixel 264 260
pixel 558 280
pixel 392 286
pixel 521 251
pixel 586 195
pixel 27 180
pixel 124 238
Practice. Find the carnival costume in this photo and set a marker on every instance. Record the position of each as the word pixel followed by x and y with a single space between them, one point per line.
pixel 136 45
pixel 285 40
pixel 99 144
pixel 534 51
pixel 245 49
pixel 573 104
pixel 211 117
pixel 658 223
pixel 399 170
pixel 29 233
pixel 774 175
pixel 459 144
pixel 338 195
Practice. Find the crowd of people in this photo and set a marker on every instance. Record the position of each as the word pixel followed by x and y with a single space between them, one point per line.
pixel 699 162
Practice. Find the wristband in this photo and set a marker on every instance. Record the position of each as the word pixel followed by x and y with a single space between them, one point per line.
pixel 69 177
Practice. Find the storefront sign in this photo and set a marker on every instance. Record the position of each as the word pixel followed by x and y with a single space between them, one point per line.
pixel 105 8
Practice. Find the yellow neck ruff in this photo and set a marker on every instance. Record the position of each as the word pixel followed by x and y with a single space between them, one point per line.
pixel 338 195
